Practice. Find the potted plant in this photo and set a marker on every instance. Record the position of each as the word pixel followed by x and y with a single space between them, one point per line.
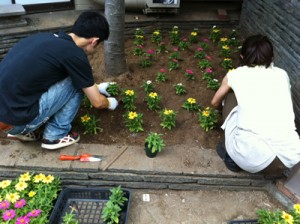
pixel 154 144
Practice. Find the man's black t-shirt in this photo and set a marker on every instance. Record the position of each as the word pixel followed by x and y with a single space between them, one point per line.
pixel 32 66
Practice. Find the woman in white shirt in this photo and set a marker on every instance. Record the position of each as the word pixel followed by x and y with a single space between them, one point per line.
pixel 260 132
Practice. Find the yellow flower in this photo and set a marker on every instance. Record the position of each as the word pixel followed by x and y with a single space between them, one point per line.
pixel 31 194
pixel 25 177
pixel 85 118
pixel 132 115
pixel 12 197
pixel 227 59
pixel 206 113
pixel 297 208
pixel 48 179
pixel 156 33
pixel 129 92
pixel 223 39
pixel 216 30
pixel 38 178
pixel 225 47
pixel 139 36
pixel 175 32
pixel 168 112
pixel 5 183
pixel 287 217
pixel 194 33
pixel 191 100
pixel 21 186
pixel 153 95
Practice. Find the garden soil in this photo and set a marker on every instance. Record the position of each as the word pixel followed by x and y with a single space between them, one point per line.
pixel 187 130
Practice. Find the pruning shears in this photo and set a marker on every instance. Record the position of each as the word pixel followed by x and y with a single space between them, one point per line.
pixel 83 158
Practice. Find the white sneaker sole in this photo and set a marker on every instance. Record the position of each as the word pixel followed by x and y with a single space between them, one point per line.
pixel 30 137
pixel 59 145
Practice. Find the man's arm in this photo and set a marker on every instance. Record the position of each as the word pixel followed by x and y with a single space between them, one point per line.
pixel 221 93
pixel 97 100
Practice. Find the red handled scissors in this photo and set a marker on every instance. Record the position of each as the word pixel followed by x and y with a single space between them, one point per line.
pixel 83 158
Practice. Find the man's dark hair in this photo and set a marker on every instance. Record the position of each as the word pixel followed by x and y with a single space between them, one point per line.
pixel 91 24
pixel 257 50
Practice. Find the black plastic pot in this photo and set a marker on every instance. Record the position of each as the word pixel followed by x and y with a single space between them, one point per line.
pixel 148 151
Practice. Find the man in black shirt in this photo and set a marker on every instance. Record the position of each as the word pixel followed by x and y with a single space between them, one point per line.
pixel 43 79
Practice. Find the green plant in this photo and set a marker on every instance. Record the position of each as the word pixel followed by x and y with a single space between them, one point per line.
pixel 86 102
pixel 213 84
pixel 155 142
pixel 156 37
pixel 153 100
pixel 175 54
pixel 191 105
pixel 204 63
pixel 193 38
pixel 183 44
pixel 134 121
pixel 90 124
pixel 128 98
pixel 179 89
pixel 113 89
pixel 161 75
pixel 173 64
pixel 189 74
pixel 70 218
pixel 223 41
pixel 28 198
pixel 204 44
pixel 168 119
pixel 278 216
pixel 215 34
pixel 139 40
pixel 227 63
pixel 200 54
pixel 208 118
pixel 148 86
pixel 161 48
pixel 117 196
pixel 208 74
pixel 138 50
pixel 225 51
pixel 174 35
pixel 146 61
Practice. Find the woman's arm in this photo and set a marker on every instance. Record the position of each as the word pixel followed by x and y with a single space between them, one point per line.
pixel 221 93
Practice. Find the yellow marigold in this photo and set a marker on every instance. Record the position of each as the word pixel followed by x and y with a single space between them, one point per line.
pixel 132 115
pixel 21 186
pixel 194 33
pixel 139 36
pixel 225 47
pixel 12 197
pixel 31 194
pixel 38 178
pixel 129 92
pixel 85 118
pixel 153 95
pixel 297 207
pixel 223 39
pixel 206 113
pixel 227 59
pixel 156 33
pixel 48 179
pixel 25 177
pixel 216 30
pixel 5 183
pixel 191 100
pixel 168 112
pixel 287 217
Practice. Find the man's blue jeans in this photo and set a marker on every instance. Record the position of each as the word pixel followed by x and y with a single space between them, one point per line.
pixel 57 109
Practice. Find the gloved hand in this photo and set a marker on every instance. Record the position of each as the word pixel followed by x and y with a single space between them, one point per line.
pixel 102 88
pixel 112 103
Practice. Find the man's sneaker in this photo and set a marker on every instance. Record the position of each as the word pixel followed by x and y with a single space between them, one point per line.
pixel 29 137
pixel 69 139
pixel 229 163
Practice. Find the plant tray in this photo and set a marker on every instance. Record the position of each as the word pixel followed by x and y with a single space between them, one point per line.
pixel 249 221
pixel 86 204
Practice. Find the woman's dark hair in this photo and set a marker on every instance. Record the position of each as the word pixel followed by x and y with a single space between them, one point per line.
pixel 257 50
pixel 91 24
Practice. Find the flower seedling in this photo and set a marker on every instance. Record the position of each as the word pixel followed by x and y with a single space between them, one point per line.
pixel 191 105
pixel 225 51
pixel 70 218
pixel 86 102
pixel 180 89
pixel 193 38
pixel 215 34
pixel 168 119
pixel 161 75
pixel 156 37
pixel 162 48
pixel 139 40
pixel 134 121
pixel 213 84
pixel 146 61
pixel 138 50
pixel 153 100
pixel 200 54
pixel 128 99
pixel 148 86
pixel 204 43
pixel 189 74
pixel 175 54
pixel 113 89
pixel 204 63
pixel 208 74
pixel 117 196
pixel 208 118
pixel 227 63
pixel 155 142
pixel 173 64
pixel 183 44
pixel 90 124
pixel 174 35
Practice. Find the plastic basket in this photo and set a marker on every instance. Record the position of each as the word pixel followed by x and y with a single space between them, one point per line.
pixel 249 221
pixel 86 204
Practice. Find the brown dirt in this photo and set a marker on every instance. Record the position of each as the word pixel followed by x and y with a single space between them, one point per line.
pixel 187 130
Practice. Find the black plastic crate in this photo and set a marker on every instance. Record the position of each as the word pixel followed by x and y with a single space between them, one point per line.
pixel 248 221
pixel 86 204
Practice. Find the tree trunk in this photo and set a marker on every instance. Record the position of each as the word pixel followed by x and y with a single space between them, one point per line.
pixel 114 47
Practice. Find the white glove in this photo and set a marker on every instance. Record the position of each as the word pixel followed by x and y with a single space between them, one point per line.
pixel 112 103
pixel 102 88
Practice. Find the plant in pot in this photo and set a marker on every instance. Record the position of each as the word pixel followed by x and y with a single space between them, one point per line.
pixel 154 143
